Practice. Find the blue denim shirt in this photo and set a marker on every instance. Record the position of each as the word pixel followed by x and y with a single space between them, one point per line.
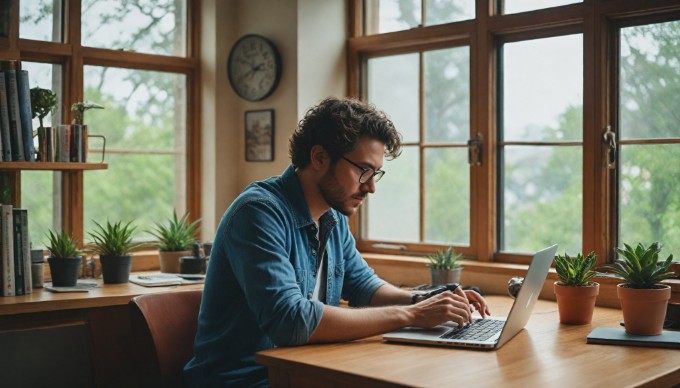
pixel 260 280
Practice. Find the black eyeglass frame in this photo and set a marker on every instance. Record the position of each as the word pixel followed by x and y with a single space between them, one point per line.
pixel 376 175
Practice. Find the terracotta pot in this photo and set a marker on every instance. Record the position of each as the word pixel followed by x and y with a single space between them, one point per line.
pixel 170 260
pixel 576 304
pixel 644 310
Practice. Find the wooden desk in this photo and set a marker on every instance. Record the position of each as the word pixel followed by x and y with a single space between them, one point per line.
pixel 545 354
pixel 72 339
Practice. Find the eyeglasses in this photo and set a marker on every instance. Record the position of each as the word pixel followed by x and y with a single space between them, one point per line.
pixel 366 173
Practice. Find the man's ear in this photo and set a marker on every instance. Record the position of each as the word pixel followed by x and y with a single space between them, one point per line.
pixel 318 157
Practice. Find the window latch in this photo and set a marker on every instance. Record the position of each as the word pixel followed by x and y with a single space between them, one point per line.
pixel 474 147
pixel 609 139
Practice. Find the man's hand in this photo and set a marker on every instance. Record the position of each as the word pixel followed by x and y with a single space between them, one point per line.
pixel 449 306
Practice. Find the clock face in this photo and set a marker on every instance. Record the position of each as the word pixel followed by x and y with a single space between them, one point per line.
pixel 254 67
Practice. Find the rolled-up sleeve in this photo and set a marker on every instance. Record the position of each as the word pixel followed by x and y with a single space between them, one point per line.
pixel 360 281
pixel 259 255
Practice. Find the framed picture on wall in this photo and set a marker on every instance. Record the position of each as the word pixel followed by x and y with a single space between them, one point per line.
pixel 259 135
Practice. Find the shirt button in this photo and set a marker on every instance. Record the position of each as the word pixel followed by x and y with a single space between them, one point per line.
pixel 309 296
pixel 313 252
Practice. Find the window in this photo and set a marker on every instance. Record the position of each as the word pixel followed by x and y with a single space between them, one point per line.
pixel 398 15
pixel 649 136
pixel 540 152
pixel 543 95
pixel 435 138
pixel 133 58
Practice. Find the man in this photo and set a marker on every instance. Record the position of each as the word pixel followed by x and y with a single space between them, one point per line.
pixel 283 255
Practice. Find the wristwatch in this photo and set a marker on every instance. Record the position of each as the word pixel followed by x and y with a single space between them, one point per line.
pixel 448 287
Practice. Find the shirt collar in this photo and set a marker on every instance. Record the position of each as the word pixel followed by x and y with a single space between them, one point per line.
pixel 291 184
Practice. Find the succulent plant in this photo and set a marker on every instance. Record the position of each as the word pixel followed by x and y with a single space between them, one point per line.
pixel 177 234
pixel 448 259
pixel 640 267
pixel 62 245
pixel 575 271
pixel 113 239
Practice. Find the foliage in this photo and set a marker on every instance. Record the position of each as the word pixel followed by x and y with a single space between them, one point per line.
pixel 43 102
pixel 80 108
pixel 447 260
pixel 640 267
pixel 575 271
pixel 177 235
pixel 113 239
pixel 62 245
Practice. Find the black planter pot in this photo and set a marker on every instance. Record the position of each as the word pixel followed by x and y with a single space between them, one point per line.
pixel 64 270
pixel 116 269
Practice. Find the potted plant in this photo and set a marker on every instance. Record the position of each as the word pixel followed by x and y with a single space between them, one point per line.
pixel 64 260
pixel 445 266
pixel 113 243
pixel 643 299
pixel 80 108
pixel 175 239
pixel 575 293
pixel 43 102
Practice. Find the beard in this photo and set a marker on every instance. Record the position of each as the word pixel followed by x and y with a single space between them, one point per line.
pixel 335 195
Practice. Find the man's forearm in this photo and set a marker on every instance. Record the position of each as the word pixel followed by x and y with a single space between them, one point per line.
pixel 345 324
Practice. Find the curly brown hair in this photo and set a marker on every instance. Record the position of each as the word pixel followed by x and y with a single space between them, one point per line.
pixel 337 124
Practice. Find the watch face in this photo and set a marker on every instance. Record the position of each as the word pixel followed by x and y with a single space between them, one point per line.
pixel 254 67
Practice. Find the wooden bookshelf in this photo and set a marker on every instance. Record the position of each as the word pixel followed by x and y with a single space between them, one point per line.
pixel 53 166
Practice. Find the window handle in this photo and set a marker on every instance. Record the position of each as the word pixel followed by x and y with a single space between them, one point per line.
pixel 609 138
pixel 475 150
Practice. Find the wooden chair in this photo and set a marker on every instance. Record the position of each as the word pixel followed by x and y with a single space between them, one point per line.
pixel 165 326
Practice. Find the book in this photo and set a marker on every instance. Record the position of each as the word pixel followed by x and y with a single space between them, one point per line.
pixel 18 253
pixel 618 336
pixel 6 152
pixel 79 287
pixel 63 143
pixel 165 279
pixel 26 114
pixel 22 242
pixel 15 132
pixel 7 253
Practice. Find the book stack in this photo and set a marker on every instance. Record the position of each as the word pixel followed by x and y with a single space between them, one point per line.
pixel 15 252
pixel 16 119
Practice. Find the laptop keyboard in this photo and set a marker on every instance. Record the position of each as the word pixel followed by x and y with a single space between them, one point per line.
pixel 477 330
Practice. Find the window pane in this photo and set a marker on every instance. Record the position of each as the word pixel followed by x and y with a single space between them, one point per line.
pixel 40 195
pixel 144 122
pixel 41 190
pixel 542 198
pixel 650 84
pixel 447 11
pixel 447 196
pixel 447 95
pixel 543 89
pixel 393 213
pixel 391 15
pixel 398 99
pixel 148 26
pixel 515 6
pixel 40 20
pixel 649 207
pixel 45 76
pixel 649 204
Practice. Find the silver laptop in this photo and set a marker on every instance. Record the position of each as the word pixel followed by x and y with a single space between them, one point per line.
pixel 489 333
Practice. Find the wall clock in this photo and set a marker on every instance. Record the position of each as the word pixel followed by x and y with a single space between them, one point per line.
pixel 254 67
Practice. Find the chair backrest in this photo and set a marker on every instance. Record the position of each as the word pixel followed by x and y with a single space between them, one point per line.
pixel 171 321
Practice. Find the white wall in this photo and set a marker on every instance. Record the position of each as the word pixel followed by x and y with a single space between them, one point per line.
pixel 310 35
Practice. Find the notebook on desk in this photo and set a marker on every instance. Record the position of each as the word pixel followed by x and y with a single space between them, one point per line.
pixel 490 333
